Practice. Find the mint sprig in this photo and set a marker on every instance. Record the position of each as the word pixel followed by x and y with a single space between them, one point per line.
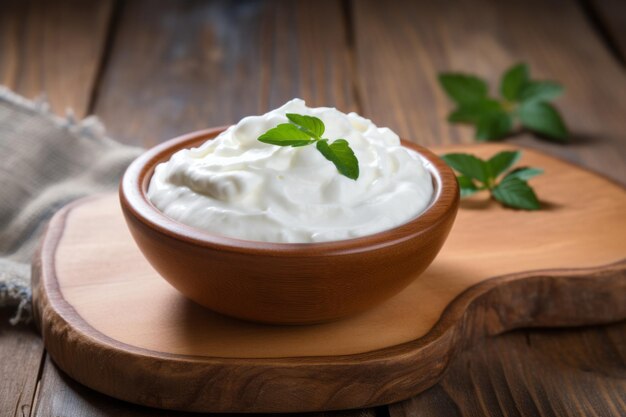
pixel 478 174
pixel 523 102
pixel 305 130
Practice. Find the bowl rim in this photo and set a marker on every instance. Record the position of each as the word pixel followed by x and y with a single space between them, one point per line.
pixel 134 200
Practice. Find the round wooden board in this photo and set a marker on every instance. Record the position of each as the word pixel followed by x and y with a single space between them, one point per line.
pixel 109 321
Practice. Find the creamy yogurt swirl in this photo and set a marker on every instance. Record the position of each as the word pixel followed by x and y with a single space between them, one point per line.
pixel 236 186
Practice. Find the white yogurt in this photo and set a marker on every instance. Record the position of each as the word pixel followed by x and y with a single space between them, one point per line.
pixel 239 187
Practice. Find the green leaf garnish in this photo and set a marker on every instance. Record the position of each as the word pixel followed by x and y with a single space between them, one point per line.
pixel 468 165
pixel 467 186
pixel 523 102
pixel 463 88
pixel 516 193
pixel 543 118
pixel 514 81
pixel 340 154
pixel 492 127
pixel 473 112
pixel 502 161
pixel 306 130
pixel 309 124
pixel 512 191
pixel 524 173
pixel 541 91
pixel 286 134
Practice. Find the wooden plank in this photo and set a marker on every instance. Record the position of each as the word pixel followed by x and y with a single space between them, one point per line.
pixel 544 373
pixel 197 64
pixel 611 16
pixel 401 47
pixel 50 47
pixel 53 47
pixel 61 396
pixel 21 352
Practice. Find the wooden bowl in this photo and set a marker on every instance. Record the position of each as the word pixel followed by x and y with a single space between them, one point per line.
pixel 284 283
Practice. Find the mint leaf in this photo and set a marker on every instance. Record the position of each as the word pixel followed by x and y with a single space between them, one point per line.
pixel 309 124
pixel 541 91
pixel 524 173
pixel 522 100
pixel 516 193
pixel 511 191
pixel 494 126
pixel 463 88
pixel 468 165
pixel 514 81
pixel 503 161
pixel 467 186
pixel 305 130
pixel 475 111
pixel 543 118
pixel 286 134
pixel 340 154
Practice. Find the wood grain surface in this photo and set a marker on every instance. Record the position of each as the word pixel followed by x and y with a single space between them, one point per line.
pixel 610 19
pixel 562 41
pixel 53 48
pixel 470 290
pixel 21 351
pixel 62 396
pixel 539 373
pixel 423 38
pixel 211 63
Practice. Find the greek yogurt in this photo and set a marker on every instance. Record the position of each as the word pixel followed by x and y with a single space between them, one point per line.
pixel 238 187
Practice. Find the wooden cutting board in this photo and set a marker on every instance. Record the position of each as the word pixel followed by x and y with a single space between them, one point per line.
pixel 109 321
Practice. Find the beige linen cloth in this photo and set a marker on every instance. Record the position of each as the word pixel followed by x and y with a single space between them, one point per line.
pixel 45 162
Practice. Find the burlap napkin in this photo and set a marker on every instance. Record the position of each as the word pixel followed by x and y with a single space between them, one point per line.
pixel 45 162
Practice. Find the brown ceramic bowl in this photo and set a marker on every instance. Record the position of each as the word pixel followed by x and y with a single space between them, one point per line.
pixel 285 283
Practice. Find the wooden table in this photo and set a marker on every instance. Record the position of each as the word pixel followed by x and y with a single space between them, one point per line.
pixel 154 69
